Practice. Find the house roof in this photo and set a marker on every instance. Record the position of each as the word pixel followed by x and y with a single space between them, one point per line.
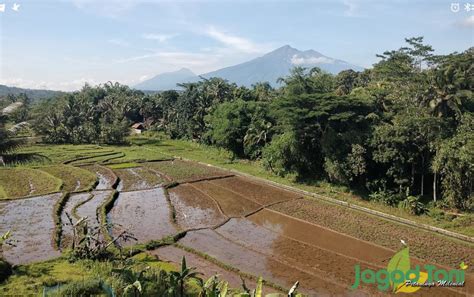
pixel 138 126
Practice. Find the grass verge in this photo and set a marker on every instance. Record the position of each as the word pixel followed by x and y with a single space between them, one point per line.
pixel 24 182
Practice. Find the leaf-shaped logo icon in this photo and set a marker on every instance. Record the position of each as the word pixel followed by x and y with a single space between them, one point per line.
pixel 403 288
pixel 401 262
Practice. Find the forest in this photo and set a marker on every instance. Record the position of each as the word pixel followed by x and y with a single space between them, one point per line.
pixel 401 132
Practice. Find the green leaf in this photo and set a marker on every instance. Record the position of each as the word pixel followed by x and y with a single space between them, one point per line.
pixel 400 261
pixel 258 290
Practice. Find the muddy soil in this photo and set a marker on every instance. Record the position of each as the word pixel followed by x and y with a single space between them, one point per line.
pixel 106 177
pixel 317 255
pixel 424 245
pixel 193 208
pixel 32 226
pixel 231 203
pixel 90 208
pixel 138 178
pixel 258 192
pixel 252 262
pixel 145 214
pixel 73 200
pixel 207 268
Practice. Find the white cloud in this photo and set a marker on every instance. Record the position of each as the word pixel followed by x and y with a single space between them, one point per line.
pixel 180 59
pixel 352 9
pixel 159 37
pixel 238 43
pixel 468 22
pixel 73 85
pixel 143 77
pixel 295 60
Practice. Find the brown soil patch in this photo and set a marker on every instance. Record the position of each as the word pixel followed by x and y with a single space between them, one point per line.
pixel 232 204
pixel 424 245
pixel 145 214
pixel 32 226
pixel 193 208
pixel 261 193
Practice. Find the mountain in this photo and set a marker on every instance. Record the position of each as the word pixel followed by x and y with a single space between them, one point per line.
pixel 278 63
pixel 33 94
pixel 269 67
pixel 167 80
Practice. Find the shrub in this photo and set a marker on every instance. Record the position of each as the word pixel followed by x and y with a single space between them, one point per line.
pixel 413 205
pixel 5 270
pixel 386 197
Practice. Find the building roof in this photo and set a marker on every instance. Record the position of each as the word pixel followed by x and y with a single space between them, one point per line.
pixel 138 126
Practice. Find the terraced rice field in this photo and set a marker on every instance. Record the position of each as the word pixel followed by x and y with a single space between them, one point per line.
pixel 235 226
pixel 32 223
pixel 146 214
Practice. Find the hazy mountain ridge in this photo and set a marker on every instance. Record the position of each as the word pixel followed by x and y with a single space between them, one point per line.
pixel 268 67
pixel 33 94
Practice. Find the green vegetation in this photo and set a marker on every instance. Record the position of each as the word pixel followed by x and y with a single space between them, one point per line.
pixel 179 170
pixel 74 179
pixel 21 182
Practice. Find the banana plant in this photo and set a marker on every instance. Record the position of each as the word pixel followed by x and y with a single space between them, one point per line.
pixel 183 275
pixel 213 287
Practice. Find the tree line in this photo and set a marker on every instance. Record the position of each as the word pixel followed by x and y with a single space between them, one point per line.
pixel 402 131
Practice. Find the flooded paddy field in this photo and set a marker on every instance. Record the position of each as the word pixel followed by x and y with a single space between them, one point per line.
pixel 138 178
pixel 258 192
pixel 106 176
pixel 31 223
pixel 90 207
pixel 193 208
pixel 73 201
pixel 255 228
pixel 231 203
pixel 145 214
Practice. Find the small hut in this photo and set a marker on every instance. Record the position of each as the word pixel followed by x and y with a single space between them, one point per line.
pixel 138 128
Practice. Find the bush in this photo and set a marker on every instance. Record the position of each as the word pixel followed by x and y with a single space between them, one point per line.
pixel 413 205
pixel 5 270
pixel 386 197
pixel 89 287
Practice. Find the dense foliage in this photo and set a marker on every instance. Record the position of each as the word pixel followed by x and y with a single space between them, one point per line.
pixel 401 131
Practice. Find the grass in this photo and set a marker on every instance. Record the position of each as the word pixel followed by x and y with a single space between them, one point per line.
pixel 179 170
pixel 22 182
pixel 74 179
pixel 29 280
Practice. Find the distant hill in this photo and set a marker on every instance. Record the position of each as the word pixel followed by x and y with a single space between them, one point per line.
pixel 278 63
pixel 33 94
pixel 269 67
pixel 167 80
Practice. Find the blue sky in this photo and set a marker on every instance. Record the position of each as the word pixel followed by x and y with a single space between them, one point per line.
pixel 64 43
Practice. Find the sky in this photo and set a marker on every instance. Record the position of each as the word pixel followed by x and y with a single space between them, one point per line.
pixel 63 44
